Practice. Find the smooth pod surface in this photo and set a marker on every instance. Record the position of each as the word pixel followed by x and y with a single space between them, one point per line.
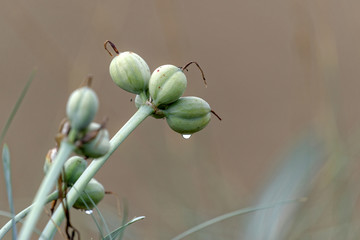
pixel 73 168
pixel 130 72
pixel 82 107
pixel 167 84
pixel 97 146
pixel 188 115
pixel 93 190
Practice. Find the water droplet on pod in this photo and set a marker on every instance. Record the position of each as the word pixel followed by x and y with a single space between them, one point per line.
pixel 186 136
pixel 89 211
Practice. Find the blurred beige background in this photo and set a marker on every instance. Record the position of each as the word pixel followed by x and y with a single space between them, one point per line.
pixel 273 68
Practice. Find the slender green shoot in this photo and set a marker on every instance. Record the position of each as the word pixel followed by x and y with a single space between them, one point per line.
pixel 119 230
pixel 124 219
pixel 232 214
pixel 100 215
pixel 23 213
pixel 17 105
pixel 7 175
pixel 66 148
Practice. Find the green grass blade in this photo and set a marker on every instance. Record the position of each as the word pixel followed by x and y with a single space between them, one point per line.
pixel 100 215
pixel 7 175
pixel 22 214
pixel 119 230
pixel 17 105
pixel 124 219
pixel 292 178
pixel 230 215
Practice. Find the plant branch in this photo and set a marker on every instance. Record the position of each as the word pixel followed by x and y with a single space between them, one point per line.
pixel 23 214
pixel 66 148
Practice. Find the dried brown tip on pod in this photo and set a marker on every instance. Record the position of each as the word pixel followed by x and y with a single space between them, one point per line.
pixel 112 45
pixel 216 115
pixel 202 72
pixel 87 82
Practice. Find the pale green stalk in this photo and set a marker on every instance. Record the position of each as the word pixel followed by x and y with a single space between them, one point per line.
pixel 143 112
pixel 23 213
pixel 66 148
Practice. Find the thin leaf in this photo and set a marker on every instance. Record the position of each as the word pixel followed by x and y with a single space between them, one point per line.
pixel 118 231
pixel 231 214
pixel 124 219
pixel 17 105
pixel 7 175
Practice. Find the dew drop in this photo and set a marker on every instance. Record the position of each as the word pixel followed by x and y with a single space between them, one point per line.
pixel 89 211
pixel 186 136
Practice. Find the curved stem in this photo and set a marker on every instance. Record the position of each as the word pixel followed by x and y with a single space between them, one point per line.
pixel 66 148
pixel 23 214
pixel 143 112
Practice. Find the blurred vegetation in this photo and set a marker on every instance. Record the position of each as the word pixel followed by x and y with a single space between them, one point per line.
pixel 282 75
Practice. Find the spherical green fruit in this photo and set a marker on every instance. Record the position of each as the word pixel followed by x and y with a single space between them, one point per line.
pixel 82 107
pixel 188 115
pixel 130 72
pixel 94 191
pixel 73 168
pixel 167 84
pixel 99 145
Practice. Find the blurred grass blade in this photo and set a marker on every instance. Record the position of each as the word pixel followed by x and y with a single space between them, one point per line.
pixel 124 219
pixel 230 215
pixel 7 175
pixel 103 222
pixel 17 105
pixel 291 179
pixel 118 231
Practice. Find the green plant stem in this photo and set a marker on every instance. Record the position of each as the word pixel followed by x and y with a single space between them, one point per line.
pixel 66 148
pixel 23 213
pixel 143 112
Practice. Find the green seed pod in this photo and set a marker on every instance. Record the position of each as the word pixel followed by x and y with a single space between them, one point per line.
pixel 99 145
pixel 130 72
pixel 167 84
pixel 74 167
pixel 94 191
pixel 82 107
pixel 188 115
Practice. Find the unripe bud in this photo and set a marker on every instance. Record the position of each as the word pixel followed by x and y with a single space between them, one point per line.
pixel 129 71
pixel 82 107
pixel 167 84
pixel 74 167
pixel 94 191
pixel 188 115
pixel 97 146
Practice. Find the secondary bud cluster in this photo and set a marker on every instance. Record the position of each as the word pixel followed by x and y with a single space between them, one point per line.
pixel 91 140
pixel 163 89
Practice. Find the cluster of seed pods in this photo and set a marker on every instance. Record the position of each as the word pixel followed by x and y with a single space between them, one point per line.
pixel 162 89
pixel 91 140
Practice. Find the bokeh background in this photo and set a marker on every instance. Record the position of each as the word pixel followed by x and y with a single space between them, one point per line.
pixel 283 75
